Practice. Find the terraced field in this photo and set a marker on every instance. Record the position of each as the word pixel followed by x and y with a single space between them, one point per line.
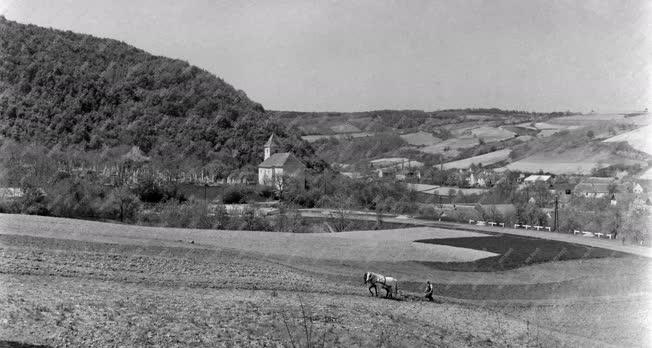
pixel 79 283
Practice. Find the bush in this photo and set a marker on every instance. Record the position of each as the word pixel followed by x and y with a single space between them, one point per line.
pixel 177 214
pixel 120 204
pixel 234 195
pixel 266 192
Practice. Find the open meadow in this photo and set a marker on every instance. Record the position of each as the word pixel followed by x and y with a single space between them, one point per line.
pixel 71 282
pixel 486 159
pixel 420 138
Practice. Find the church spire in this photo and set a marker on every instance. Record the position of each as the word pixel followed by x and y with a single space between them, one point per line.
pixel 270 146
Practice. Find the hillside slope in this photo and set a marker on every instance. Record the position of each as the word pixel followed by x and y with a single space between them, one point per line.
pixel 638 139
pixel 78 91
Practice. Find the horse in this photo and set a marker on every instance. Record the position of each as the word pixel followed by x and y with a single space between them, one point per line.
pixel 388 283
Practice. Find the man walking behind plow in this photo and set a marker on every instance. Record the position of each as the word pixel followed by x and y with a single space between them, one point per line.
pixel 429 292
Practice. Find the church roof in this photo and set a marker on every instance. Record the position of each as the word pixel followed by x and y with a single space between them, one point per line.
pixel 279 160
pixel 271 141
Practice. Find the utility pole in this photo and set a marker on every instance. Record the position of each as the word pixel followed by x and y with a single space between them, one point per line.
pixel 556 212
pixel 205 201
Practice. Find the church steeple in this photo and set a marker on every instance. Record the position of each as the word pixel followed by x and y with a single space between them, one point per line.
pixel 270 146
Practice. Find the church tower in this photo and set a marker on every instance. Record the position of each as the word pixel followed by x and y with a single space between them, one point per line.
pixel 270 146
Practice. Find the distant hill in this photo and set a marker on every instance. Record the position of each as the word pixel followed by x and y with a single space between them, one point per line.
pixel 59 88
pixel 313 123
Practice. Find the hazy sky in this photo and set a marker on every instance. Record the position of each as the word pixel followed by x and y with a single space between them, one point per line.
pixel 363 55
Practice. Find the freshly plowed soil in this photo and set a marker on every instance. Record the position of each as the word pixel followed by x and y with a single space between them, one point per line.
pixel 70 292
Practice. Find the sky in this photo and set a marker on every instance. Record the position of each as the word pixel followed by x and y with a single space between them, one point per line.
pixel 363 55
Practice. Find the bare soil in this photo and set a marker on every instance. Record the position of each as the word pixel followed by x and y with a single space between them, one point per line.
pixel 62 291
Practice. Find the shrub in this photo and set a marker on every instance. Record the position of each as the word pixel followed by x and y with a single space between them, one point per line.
pixel 233 195
pixel 120 204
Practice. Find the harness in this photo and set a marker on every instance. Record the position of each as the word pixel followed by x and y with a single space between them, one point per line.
pixel 376 279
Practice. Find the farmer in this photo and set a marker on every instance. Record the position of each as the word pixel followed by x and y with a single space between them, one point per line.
pixel 429 291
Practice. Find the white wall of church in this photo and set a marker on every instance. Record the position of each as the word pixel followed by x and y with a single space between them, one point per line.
pixel 266 176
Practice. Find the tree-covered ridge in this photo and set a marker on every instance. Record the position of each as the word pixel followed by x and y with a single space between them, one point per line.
pixel 59 88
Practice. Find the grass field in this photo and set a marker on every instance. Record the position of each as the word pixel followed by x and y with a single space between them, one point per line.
pixel 340 136
pixel 576 161
pixel 451 145
pixel 420 138
pixel 78 283
pixel 638 139
pixel 491 134
pixel 486 159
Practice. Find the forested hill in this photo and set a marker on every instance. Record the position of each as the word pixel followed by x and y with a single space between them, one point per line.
pixel 86 93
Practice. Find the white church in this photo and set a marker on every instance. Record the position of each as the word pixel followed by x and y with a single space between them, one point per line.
pixel 277 166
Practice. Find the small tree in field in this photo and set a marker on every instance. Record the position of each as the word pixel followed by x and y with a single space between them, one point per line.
pixel 341 205
pixel 121 204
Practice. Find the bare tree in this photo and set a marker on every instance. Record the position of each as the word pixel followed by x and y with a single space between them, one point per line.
pixel 341 209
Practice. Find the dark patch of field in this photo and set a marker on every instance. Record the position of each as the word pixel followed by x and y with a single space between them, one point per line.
pixel 515 252
pixel 11 344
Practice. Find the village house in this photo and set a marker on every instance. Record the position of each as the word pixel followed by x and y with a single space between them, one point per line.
pixel 592 190
pixel 400 168
pixel 533 179
pixel 277 166
pixel 483 178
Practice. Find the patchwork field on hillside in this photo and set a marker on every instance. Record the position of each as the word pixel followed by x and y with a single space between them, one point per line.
pixel 420 138
pixel 486 159
pixel 340 136
pixel 449 147
pixel 640 139
pixel 491 134
pixel 562 156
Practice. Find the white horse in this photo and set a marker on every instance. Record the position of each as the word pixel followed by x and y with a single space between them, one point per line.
pixel 388 283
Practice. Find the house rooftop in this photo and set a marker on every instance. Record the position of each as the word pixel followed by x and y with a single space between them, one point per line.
pixel 533 178
pixel 586 187
pixel 597 180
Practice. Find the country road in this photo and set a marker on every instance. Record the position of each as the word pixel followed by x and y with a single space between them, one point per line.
pixel 615 245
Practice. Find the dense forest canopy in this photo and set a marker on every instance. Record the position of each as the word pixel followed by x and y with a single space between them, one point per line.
pixel 73 91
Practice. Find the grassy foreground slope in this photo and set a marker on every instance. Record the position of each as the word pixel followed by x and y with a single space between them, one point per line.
pixel 119 289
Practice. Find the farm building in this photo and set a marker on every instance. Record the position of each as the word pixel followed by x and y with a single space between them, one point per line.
pixel 400 168
pixel 277 166
pixel 352 175
pixel 482 178
pixel 592 190
pixel 532 179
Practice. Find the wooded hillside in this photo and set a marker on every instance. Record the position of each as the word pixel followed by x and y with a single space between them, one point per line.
pixel 68 90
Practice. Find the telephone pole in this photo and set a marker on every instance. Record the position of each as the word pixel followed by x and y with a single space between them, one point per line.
pixel 556 212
